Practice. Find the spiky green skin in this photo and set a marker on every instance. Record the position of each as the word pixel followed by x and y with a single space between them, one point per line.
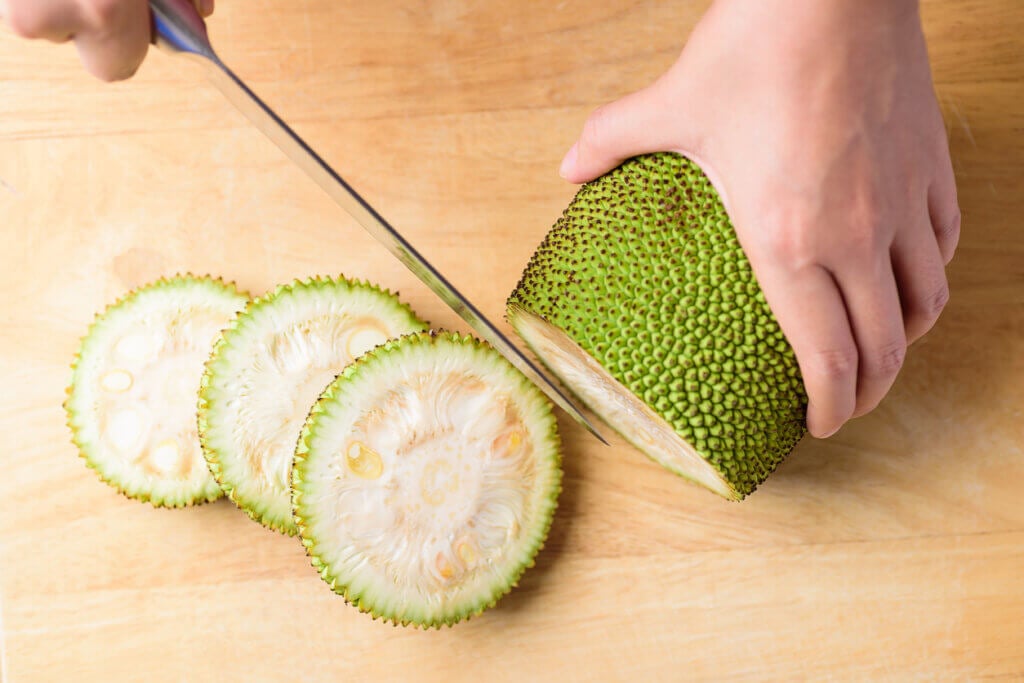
pixel 334 399
pixel 210 396
pixel 91 452
pixel 644 272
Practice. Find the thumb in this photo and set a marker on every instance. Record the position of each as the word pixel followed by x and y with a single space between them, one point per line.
pixel 642 122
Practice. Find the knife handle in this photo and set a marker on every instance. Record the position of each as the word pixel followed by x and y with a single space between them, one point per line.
pixel 178 28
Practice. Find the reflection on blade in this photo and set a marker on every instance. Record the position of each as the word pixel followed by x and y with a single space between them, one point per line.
pixel 298 151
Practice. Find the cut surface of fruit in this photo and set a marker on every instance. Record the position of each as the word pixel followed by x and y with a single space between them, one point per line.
pixel 266 371
pixel 132 401
pixel 617 405
pixel 426 479
pixel 641 300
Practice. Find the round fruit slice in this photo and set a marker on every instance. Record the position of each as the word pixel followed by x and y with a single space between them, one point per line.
pixel 426 479
pixel 132 401
pixel 643 303
pixel 267 370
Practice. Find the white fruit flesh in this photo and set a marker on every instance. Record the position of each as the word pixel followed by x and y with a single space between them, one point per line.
pixel 267 373
pixel 616 404
pixel 427 479
pixel 132 403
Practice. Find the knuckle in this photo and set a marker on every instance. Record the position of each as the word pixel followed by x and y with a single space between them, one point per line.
pixel 865 234
pixel 923 315
pixel 835 364
pixel 790 241
pixel 26 21
pixel 949 231
pixel 931 296
pixel 887 360
pixel 933 305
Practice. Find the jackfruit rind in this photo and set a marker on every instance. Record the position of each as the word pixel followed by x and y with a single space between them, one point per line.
pixel 642 301
pixel 266 371
pixel 132 399
pixel 426 479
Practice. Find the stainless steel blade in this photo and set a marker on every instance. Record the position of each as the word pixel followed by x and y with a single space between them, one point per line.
pixel 179 29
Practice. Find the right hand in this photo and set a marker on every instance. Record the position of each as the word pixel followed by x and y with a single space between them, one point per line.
pixel 818 123
pixel 112 36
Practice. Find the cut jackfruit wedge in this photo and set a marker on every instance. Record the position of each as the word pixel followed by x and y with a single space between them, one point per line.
pixel 132 401
pixel 644 304
pixel 267 370
pixel 426 479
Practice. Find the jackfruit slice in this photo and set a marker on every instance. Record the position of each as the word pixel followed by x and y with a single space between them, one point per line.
pixel 643 303
pixel 131 405
pixel 426 479
pixel 266 371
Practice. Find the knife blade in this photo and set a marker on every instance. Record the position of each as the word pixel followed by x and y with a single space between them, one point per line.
pixel 180 30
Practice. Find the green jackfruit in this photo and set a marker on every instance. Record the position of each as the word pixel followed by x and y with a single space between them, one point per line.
pixel 132 401
pixel 426 478
pixel 643 303
pixel 266 370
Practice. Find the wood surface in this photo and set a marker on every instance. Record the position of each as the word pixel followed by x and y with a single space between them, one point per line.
pixel 892 551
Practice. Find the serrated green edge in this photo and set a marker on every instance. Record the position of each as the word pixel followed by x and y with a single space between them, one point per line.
pixel 125 300
pixel 236 326
pixel 309 430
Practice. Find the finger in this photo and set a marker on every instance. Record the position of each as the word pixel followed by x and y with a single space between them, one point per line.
pixel 204 7
pixel 641 122
pixel 873 305
pixel 921 279
pixel 54 20
pixel 943 207
pixel 115 42
pixel 812 315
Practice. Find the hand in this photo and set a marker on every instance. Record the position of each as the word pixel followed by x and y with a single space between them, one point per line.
pixel 112 36
pixel 817 122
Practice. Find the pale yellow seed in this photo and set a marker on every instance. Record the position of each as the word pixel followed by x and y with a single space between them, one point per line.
pixel 467 552
pixel 363 461
pixel 136 347
pixel 444 567
pixel 507 444
pixel 124 429
pixel 117 381
pixel 363 338
pixel 166 457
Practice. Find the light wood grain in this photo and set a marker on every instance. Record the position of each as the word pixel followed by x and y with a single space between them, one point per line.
pixel 893 551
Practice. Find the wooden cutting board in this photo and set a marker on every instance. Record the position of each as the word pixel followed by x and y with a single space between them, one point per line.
pixel 894 550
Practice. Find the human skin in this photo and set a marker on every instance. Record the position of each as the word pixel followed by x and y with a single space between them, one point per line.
pixel 817 122
pixel 112 36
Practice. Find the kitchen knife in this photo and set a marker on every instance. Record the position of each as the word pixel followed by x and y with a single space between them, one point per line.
pixel 179 29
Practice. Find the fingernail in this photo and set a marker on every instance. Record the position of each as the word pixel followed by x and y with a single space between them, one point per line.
pixel 830 432
pixel 815 425
pixel 569 161
pixel 206 7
